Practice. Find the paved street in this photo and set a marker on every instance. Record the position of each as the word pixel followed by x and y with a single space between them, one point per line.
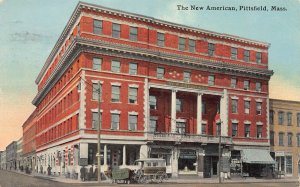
pixel 11 179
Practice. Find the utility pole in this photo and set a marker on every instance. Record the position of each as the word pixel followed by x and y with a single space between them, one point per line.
pixel 99 134
pixel 220 154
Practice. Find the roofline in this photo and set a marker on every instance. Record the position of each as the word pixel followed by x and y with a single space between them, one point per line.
pixel 286 101
pixel 137 16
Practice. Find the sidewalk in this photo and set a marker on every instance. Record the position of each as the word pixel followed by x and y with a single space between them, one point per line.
pixel 180 180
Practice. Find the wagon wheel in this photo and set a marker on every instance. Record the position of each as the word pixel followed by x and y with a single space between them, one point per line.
pixel 160 176
pixel 142 179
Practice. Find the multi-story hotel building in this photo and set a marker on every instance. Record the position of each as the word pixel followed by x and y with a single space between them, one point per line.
pixel 167 90
pixel 285 135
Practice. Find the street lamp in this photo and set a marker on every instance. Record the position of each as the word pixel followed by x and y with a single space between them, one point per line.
pixel 99 136
pixel 220 153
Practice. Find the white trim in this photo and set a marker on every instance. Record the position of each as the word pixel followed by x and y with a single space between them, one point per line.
pixel 97 81
pixel 154 117
pixel 234 121
pixel 133 113
pixel 247 99
pixel 234 97
pixel 259 123
pixel 133 85
pixel 115 112
pixel 115 84
pixel 96 110
pixel 180 120
pixel 259 100
pixel 204 122
pixel 247 122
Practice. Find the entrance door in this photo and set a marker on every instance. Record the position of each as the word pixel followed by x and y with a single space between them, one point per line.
pixel 214 168
pixel 186 162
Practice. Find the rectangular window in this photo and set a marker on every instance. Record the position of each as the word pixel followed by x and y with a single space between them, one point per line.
pixel 97 29
pixel 115 66
pixel 153 123
pixel 133 68
pixel 289 118
pixel 289 164
pixel 234 105
pixel 246 55
pixel 115 93
pixel 258 57
pixel 203 105
pixel 246 84
pixel 290 137
pixel 160 72
pixel 203 129
pixel 180 127
pixel 247 107
pixel 298 119
pixel 258 108
pixel 192 45
pixel 95 119
pixel 271 138
pixel 247 130
pixel 132 95
pixel 153 102
pixel 280 139
pixel 298 139
pixel 179 105
pixel 271 117
pixel 211 80
pixel 280 118
pixel 258 131
pixel 181 44
pixel 233 53
pixel 160 39
pixel 258 86
pixel 133 32
pixel 96 91
pixel 234 129
pixel 218 129
pixel 132 126
pixel 233 82
pixel 115 121
pixel 211 49
pixel 116 30
pixel 187 76
pixel 97 64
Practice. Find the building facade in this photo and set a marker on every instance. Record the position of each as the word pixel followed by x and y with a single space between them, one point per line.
pixel 3 160
pixel 20 154
pixel 285 135
pixel 29 142
pixel 166 90
pixel 11 156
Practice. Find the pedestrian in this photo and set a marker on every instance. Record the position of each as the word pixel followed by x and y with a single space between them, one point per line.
pixel 49 170
pixel 82 173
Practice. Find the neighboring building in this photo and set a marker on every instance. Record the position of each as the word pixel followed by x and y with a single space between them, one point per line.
pixel 285 135
pixel 3 160
pixel 29 142
pixel 167 90
pixel 1 152
pixel 11 156
pixel 20 154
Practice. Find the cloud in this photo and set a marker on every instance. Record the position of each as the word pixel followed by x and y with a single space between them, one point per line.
pixel 26 36
pixel 281 88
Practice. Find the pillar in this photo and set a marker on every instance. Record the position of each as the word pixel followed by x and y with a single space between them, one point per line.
pixel 224 113
pixel 143 151
pixel 175 154
pixel 173 111
pixel 124 155
pixel 199 113
pixel 200 163
pixel 146 107
pixel 105 155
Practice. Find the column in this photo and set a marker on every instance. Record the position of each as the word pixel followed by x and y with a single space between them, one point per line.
pixel 82 100
pixel 146 107
pixel 105 155
pixel 224 113
pixel 200 164
pixel 173 111
pixel 175 162
pixel 124 155
pixel 199 113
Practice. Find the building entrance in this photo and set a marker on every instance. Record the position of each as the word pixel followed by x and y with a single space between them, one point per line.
pixel 187 162
pixel 210 166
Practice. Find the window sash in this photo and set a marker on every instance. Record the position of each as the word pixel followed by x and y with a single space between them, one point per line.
pixel 115 66
pixel 97 63
pixel 97 29
pixel 132 122
pixel 234 106
pixel 280 118
pixel 271 117
pixel 180 127
pixel 211 49
pixel 289 116
pixel 192 45
pixel 246 85
pixel 211 80
pixel 152 127
pixel 178 105
pixel 258 108
pixel 247 55
pixel 259 131
pixel 298 119
pixel 233 83
pixel 133 68
pixel 258 86
pixel 298 140
pixel 116 30
pixel 153 101
pixel 115 121
pixel 247 130
pixel 115 97
pixel 181 44
pixel 247 107
pixel 132 96
pixel 96 91
pixel 234 129
pixel 203 129
pixel 186 76
pixel 161 39
pixel 160 72
pixel 258 57
pixel 234 53
pixel 95 119
pixel 133 33
pixel 280 139
pixel 290 139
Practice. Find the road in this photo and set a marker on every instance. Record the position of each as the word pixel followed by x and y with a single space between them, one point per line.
pixel 11 179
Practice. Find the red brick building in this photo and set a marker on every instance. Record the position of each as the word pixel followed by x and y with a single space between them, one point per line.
pixel 166 91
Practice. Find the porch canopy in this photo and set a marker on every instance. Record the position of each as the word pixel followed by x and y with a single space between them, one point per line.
pixel 257 156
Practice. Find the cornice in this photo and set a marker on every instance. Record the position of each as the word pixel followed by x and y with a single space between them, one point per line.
pixel 120 50
pixel 143 18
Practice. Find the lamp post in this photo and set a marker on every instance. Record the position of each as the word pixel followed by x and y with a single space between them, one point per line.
pixel 220 154
pixel 99 136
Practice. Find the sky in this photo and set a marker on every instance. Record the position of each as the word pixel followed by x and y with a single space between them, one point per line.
pixel 30 28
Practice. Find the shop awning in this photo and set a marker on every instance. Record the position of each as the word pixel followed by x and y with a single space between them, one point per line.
pixel 257 156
